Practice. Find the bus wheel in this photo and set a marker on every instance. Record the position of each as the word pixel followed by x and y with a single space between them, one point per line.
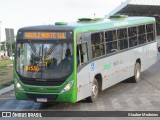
pixel 95 91
pixel 137 72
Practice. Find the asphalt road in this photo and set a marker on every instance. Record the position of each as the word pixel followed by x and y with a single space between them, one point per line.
pixel 142 96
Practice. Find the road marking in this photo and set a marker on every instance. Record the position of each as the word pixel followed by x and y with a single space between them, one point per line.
pixel 7 98
pixel 84 107
pixel 145 101
pixel 131 103
pixel 157 100
pixel 100 105
pixel 115 103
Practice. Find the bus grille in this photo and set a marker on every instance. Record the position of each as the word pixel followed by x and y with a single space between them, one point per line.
pixel 34 97
pixel 43 83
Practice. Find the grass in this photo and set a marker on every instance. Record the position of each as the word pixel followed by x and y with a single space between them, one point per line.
pixel 4 63
pixel 2 73
pixel 6 73
pixel 6 84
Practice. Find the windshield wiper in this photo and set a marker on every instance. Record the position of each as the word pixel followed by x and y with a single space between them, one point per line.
pixel 51 49
pixel 33 49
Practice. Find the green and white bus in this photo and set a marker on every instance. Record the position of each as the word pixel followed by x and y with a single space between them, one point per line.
pixel 69 62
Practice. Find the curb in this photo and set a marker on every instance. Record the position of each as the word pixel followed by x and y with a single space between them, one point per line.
pixel 7 89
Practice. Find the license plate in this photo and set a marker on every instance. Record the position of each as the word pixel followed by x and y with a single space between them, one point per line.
pixel 41 99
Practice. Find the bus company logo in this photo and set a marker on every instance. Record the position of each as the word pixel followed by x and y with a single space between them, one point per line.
pixel 6 114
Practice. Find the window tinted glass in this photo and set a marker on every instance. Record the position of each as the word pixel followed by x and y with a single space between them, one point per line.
pixel 110 36
pixel 122 33
pixel 97 41
pixel 142 34
pixel 132 31
pixel 150 32
pixel 133 41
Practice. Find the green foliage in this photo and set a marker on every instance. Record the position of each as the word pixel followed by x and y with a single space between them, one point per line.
pixel 7 79
pixel 8 46
pixel 6 84
pixel 4 63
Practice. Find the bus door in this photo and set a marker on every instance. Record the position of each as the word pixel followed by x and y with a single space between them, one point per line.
pixel 83 75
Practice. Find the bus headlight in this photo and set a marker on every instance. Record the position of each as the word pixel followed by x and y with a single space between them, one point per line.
pixel 18 85
pixel 67 87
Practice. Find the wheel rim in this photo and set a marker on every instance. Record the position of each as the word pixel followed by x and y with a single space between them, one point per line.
pixel 137 72
pixel 94 90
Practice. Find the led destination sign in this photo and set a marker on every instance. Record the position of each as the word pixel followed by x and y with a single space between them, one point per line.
pixel 32 68
pixel 44 35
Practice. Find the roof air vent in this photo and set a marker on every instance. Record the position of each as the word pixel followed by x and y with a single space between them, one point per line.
pixel 118 16
pixel 90 19
pixel 60 23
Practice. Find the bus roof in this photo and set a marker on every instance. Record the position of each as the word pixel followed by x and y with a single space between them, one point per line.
pixel 93 26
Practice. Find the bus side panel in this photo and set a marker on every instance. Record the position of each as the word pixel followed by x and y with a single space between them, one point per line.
pixel 151 54
pixel 115 68
pixel 109 68
pixel 147 55
pixel 83 83
pixel 126 64
pixel 141 53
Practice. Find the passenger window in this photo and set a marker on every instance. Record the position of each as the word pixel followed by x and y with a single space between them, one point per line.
pixel 149 28
pixel 97 41
pixel 111 47
pixel 133 41
pixel 123 44
pixel 82 53
pixel 111 41
pixel 122 33
pixel 141 34
pixel 123 40
pixel 132 31
pixel 141 29
pixel 158 26
pixel 110 36
pixel 150 32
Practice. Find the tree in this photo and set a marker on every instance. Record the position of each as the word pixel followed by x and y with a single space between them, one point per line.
pixel 8 47
pixel 3 46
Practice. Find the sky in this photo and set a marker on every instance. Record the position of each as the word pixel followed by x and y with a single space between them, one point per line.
pixel 20 13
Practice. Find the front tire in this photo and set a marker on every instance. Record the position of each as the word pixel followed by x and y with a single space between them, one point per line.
pixel 95 91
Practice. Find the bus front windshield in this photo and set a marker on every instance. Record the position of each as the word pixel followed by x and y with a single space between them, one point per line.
pixel 44 60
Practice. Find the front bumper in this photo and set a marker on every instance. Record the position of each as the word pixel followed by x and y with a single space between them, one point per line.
pixel 51 97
